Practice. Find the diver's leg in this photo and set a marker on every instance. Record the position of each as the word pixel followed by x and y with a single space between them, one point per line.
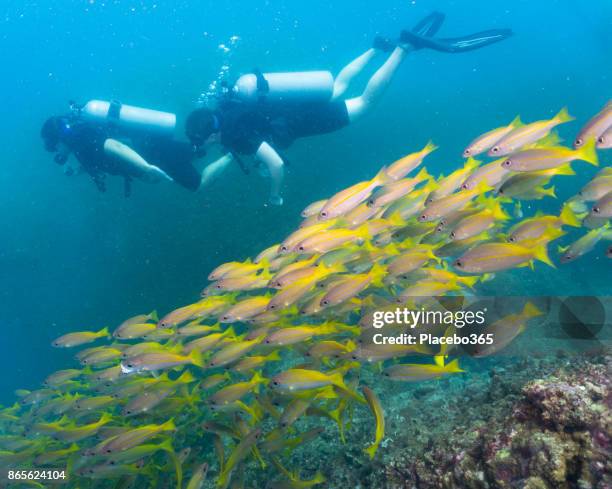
pixel 276 168
pixel 133 163
pixel 350 71
pixel 358 106
pixel 213 171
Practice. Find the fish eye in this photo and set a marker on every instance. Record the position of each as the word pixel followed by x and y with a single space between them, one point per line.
pixel 323 213
pixel 275 382
pixel 511 239
pixel 325 302
pixel 464 186
pixel 130 365
pixel 507 163
pixel 452 234
pixel 467 152
pixel 600 139
pixel 300 248
pixel 272 306
pixel 596 210
pixel 578 141
pixel 495 149
pixel 423 217
pixel 458 263
pixel 284 248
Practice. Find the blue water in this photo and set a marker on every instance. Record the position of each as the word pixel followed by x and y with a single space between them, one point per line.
pixel 72 258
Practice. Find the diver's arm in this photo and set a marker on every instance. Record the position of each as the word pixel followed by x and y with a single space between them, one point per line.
pixel 214 170
pixel 266 154
pixel 133 163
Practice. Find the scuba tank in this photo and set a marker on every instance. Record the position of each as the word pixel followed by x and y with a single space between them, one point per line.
pixel 129 116
pixel 297 86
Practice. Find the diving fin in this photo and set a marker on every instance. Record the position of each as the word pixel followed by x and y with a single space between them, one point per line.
pixel 455 44
pixel 430 25
pixel 426 27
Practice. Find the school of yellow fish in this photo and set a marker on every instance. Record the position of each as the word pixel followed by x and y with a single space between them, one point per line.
pixel 227 380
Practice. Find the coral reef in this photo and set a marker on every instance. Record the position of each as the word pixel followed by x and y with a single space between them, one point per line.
pixel 556 434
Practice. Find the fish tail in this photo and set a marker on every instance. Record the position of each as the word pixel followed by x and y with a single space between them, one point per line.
pixel 453 366
pixel 195 357
pixel 563 116
pixel 568 217
pixel 429 147
pixel 153 316
pixel 550 191
pixel 469 281
pixel 423 175
pixel 565 170
pixel 588 152
pixel 274 356
pixel 471 163
pixel 371 450
pixel 168 425
pixel 256 380
pixel 540 253
pixel 103 332
pixel 531 311
pixel 185 378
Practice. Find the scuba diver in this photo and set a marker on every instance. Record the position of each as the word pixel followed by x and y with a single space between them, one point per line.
pixel 109 138
pixel 263 113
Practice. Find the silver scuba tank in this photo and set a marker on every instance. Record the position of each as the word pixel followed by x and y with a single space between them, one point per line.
pixel 129 116
pixel 297 86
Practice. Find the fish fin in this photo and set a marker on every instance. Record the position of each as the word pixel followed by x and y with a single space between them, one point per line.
pixel 371 450
pixel 563 116
pixel 168 425
pixel 439 359
pixel 257 379
pixel 378 273
pixel 531 311
pixel 274 356
pixel 588 153
pixel 516 122
pixel 453 366
pixel 562 249
pixel 471 163
pixel 550 191
pixel 185 378
pixel 429 147
pixel 565 170
pixel 540 252
pixel 469 281
pixel 568 217
pixel 382 177
pixel 195 357
pixel 422 175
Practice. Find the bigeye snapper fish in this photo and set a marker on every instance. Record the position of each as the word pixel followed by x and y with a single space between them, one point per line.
pixel 405 165
pixel 528 134
pixel 80 338
pixel 487 140
pixel 546 158
pixel 416 372
pixel 345 200
pixel 596 126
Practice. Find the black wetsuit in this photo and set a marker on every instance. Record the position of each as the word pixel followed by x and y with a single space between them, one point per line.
pixel 244 126
pixel 86 141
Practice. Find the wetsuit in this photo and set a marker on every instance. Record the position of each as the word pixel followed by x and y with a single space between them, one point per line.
pixel 86 141
pixel 244 126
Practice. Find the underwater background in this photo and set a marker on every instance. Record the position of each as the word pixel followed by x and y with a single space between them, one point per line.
pixel 72 258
